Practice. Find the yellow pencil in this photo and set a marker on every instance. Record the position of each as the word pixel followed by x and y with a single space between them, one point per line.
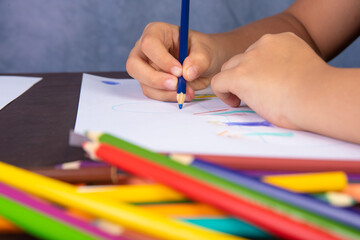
pixel 133 193
pixel 130 217
pixel 184 210
pixel 309 182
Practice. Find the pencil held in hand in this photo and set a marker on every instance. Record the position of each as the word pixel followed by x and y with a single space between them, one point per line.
pixel 183 49
pixel 181 92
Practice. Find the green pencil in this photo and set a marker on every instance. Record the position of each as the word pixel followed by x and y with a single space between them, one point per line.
pixel 231 226
pixel 250 194
pixel 38 224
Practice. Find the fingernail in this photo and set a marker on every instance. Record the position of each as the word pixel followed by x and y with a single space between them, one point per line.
pixel 192 73
pixel 176 71
pixel 170 84
pixel 187 98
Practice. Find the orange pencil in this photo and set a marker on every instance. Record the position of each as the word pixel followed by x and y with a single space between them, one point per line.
pixel 8 227
pixel 353 190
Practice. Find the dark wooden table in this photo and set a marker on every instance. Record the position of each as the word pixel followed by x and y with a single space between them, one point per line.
pixel 34 128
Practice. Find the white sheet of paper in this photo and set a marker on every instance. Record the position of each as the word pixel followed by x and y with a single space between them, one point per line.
pixel 209 126
pixel 12 87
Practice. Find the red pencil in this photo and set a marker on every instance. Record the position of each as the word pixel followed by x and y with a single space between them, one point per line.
pixel 274 222
pixel 284 164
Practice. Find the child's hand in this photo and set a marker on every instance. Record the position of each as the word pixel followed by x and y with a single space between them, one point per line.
pixel 153 61
pixel 274 77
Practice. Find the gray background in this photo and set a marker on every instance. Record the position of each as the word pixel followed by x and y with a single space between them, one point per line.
pixel 97 35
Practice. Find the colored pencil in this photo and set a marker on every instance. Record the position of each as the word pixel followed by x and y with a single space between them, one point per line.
pixel 183 49
pixel 302 201
pixel 139 193
pixel 80 164
pixel 7 227
pixel 30 215
pixel 184 210
pixel 351 177
pixel 49 210
pixel 231 226
pixel 338 199
pixel 309 182
pixel 92 175
pixel 116 230
pixel 130 217
pixel 354 191
pixel 276 223
pixel 125 148
pixel 284 164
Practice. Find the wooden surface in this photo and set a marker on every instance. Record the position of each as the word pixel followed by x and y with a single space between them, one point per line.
pixel 34 128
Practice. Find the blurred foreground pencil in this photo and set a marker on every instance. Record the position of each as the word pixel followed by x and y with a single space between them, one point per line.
pixel 231 226
pixel 43 220
pixel 186 179
pixel 309 182
pixel 130 217
pixel 354 191
pixel 139 193
pixel 7 227
pixel 311 205
pixel 185 210
pixel 80 164
pixel 338 199
pixel 93 175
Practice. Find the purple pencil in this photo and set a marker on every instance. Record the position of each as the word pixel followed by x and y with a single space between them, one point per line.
pixel 52 211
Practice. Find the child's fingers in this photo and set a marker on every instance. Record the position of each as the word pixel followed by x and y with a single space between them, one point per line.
pixel 141 70
pixel 163 95
pixel 233 62
pixel 156 43
pixel 223 86
pixel 196 63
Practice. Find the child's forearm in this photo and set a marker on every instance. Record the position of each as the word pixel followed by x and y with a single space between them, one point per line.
pixel 328 103
pixel 238 40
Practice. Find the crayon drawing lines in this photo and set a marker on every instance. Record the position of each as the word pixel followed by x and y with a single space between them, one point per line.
pixel 110 82
pixel 244 124
pixel 235 124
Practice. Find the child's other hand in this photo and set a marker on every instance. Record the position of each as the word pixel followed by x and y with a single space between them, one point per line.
pixel 154 62
pixel 274 77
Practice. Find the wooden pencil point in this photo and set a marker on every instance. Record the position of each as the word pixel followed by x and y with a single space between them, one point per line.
pixel 181 99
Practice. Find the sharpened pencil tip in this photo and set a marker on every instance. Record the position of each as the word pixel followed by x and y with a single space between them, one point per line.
pixel 180 99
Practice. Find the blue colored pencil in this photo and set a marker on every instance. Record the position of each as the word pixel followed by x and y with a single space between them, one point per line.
pixel 344 216
pixel 183 49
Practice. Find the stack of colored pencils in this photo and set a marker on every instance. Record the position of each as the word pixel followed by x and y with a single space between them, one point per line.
pixel 190 199
pixel 280 212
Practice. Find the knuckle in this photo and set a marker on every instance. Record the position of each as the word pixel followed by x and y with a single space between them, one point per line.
pixel 214 81
pixel 153 26
pixel 146 42
pixel 290 34
pixel 153 81
pixel 146 90
pixel 130 65
pixel 224 66
pixel 204 60
pixel 266 38
pixel 252 54
pixel 149 26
